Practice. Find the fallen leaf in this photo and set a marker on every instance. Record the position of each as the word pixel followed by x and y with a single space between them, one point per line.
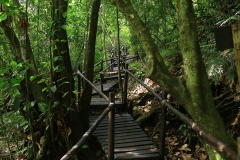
pixel 153 149
pixel 202 149
pixel 29 137
pixel 177 153
pixel 39 146
pixel 235 122
pixel 146 110
pixel 20 156
pixel 203 157
pixel 69 131
pixel 42 139
pixel 197 146
pixel 183 148
pixel 59 123
pixel 188 157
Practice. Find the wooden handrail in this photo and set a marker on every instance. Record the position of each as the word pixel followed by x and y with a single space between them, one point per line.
pixel 110 111
pixel 75 149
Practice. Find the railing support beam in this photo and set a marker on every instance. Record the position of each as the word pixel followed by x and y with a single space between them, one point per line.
pixel 162 127
pixel 111 122
pixel 125 86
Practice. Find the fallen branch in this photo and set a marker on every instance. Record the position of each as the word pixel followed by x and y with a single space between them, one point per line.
pixel 221 95
pixel 225 100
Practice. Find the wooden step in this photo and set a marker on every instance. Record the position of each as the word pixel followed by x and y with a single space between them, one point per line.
pixel 112 77
pixel 100 103
pixel 106 87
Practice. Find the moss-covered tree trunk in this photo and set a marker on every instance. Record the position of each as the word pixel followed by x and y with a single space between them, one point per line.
pixel 192 90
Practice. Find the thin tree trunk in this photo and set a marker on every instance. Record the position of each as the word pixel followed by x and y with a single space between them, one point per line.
pixel 89 64
pixel 119 55
pixel 104 36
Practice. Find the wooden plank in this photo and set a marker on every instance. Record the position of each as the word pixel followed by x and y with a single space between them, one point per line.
pixel 112 77
pixel 118 131
pixel 119 124
pixel 123 115
pixel 130 140
pixel 130 144
pixel 100 103
pixel 118 116
pixel 125 137
pixel 135 149
pixel 139 152
pixel 119 121
pixel 133 155
pixel 106 86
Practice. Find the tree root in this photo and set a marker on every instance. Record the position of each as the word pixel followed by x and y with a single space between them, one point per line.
pixel 146 115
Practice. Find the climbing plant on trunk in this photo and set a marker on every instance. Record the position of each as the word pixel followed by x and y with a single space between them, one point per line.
pixel 191 90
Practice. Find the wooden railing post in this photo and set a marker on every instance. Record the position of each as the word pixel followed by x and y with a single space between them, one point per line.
pixel 111 122
pixel 162 127
pixel 101 77
pixel 123 62
pixel 125 87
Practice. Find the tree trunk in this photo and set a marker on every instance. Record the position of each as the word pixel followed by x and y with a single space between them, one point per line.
pixel 201 106
pixel 104 35
pixel 66 120
pixel 119 54
pixel 192 90
pixel 89 65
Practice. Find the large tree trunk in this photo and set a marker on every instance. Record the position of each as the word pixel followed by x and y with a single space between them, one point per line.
pixel 201 106
pixel 66 122
pixel 192 90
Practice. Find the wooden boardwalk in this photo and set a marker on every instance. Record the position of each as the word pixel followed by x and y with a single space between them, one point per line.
pixel 106 87
pixel 100 103
pixel 130 140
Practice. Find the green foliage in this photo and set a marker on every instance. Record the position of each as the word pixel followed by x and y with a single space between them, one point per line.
pixel 220 66
pixel 3 16
pixel 10 79
pixel 165 53
pixel 10 140
pixel 184 128
pixel 138 68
